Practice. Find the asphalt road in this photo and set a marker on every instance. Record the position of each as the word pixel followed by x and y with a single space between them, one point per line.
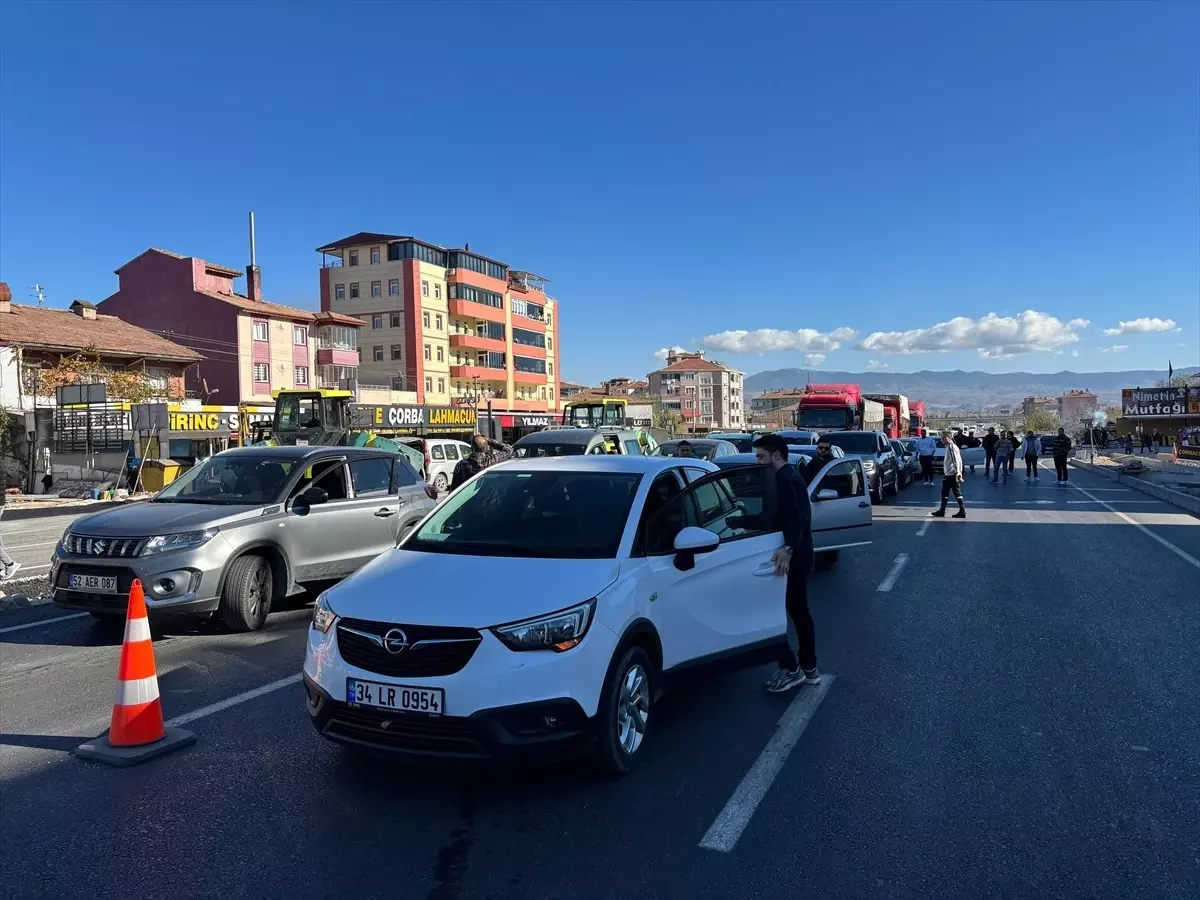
pixel 1016 715
pixel 31 541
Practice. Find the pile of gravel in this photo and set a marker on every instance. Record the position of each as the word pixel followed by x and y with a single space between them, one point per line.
pixel 25 592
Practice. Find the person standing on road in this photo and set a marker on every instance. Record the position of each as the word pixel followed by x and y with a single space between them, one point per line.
pixel 1129 444
pixel 817 463
pixel 952 476
pixel 1029 450
pixel 1062 449
pixel 989 452
pixel 1003 454
pixel 484 454
pixel 8 564
pixel 925 447
pixel 793 561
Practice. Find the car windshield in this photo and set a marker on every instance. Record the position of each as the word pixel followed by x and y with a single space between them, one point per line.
pixel 854 441
pixel 700 449
pixel 822 418
pixel 547 448
pixel 544 514
pixel 743 442
pixel 230 479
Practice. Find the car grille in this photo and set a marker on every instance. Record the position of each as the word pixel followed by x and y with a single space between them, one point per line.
pixel 433 650
pixel 448 735
pixel 86 545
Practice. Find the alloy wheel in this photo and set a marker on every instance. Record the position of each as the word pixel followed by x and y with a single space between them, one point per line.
pixel 633 709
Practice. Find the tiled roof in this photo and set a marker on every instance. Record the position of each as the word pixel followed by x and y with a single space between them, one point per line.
pixel 57 329
pixel 694 365
pixel 364 237
pixel 332 318
pixel 262 307
pixel 210 266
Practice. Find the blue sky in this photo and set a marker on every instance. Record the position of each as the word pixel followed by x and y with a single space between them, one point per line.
pixel 823 178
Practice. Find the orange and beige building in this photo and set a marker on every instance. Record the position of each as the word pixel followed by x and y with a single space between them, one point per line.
pixel 452 325
pixel 706 394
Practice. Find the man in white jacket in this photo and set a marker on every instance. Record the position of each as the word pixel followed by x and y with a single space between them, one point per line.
pixel 952 476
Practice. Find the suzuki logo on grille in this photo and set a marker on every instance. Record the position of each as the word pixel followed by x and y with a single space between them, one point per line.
pixel 99 547
pixel 395 641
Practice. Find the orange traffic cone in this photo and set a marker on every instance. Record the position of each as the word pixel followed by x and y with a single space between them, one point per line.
pixel 137 716
pixel 137 732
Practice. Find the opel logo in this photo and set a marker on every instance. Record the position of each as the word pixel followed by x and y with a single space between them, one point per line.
pixel 395 641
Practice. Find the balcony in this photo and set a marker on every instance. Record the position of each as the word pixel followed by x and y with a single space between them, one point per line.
pixel 520 321
pixel 528 350
pixel 483 373
pixel 336 356
pixel 529 377
pixel 476 310
pixel 530 406
pixel 475 342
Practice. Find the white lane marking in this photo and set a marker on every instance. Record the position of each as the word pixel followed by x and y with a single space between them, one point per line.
pixel 11 547
pixel 893 573
pixel 42 622
pixel 25 568
pixel 1089 502
pixel 232 701
pixel 924 528
pixel 1182 554
pixel 729 824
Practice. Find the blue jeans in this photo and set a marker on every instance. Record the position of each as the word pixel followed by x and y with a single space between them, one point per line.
pixel 1002 465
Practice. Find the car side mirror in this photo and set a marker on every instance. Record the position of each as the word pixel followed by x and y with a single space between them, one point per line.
pixel 826 494
pixel 689 542
pixel 308 498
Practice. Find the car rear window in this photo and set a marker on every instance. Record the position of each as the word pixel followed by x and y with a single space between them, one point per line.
pixel 854 442
pixel 530 451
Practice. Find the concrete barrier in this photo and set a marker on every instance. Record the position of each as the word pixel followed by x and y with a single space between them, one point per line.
pixel 1179 499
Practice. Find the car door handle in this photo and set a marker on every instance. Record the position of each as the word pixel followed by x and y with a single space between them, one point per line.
pixel 765 569
pixel 863 505
pixel 384 513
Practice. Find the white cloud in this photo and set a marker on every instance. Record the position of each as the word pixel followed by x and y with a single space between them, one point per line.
pixel 1148 325
pixel 1074 352
pixel 876 365
pixel 814 359
pixel 1115 348
pixel 667 351
pixel 770 340
pixel 993 336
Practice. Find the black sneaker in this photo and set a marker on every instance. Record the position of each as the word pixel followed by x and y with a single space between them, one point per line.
pixel 961 514
pixel 939 513
pixel 785 681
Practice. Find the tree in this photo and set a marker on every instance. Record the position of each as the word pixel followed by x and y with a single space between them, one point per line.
pixel 1175 381
pixel 85 367
pixel 1042 421
pixel 662 417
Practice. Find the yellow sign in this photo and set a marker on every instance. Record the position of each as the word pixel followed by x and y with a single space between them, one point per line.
pixel 452 415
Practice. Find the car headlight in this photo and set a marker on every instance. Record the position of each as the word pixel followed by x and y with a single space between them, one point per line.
pixel 62 541
pixel 323 614
pixel 868 464
pixel 558 631
pixel 161 543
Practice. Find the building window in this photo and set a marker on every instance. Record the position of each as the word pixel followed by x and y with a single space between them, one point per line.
pixel 425 319
pixel 428 352
pixel 374 256
pixel 528 338
pixel 261 331
pixel 353 290
pixel 300 335
pixel 529 310
pixel 414 250
pixel 477 295
pixel 339 292
pixel 551 390
pixel 549 368
pixel 424 288
pixel 549 343
pixel 491 330
pixel 428 385
pixel 548 320
pixel 440 355
pixel 377 354
pixel 354 257
pixel 437 321
pixel 395 318
pixel 394 287
pixel 529 364
pixel 262 373
pixel 301 374
pixel 441 385
pixel 397 351
pixel 377 320
pixel 376 289
pixel 437 292
pixel 462 260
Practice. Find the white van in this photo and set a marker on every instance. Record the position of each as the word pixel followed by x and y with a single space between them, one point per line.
pixel 441 456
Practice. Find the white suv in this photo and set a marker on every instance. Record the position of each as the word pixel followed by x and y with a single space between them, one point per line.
pixel 585 586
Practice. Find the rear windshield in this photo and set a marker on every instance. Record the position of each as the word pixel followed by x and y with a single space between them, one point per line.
pixel 542 514
pixel 700 449
pixel 854 441
pixel 531 451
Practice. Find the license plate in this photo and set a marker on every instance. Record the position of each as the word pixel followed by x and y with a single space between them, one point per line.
pixel 430 701
pixel 100 584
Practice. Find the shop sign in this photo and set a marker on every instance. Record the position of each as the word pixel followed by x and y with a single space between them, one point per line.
pixel 216 419
pixel 418 417
pixel 1154 403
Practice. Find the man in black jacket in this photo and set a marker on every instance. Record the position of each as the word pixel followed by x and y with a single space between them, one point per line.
pixel 989 451
pixel 8 565
pixel 793 561
pixel 817 463
pixel 1060 448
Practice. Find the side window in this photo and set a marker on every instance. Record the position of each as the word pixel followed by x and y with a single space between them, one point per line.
pixel 844 477
pixel 329 477
pixel 451 451
pixel 370 477
pixel 403 474
pixel 666 487
pixel 598 450
pixel 732 505
pixel 436 452
pixel 693 474
pixel 633 448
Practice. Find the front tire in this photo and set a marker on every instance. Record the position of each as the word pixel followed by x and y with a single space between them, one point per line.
pixel 877 493
pixel 439 482
pixel 894 488
pixel 624 713
pixel 246 598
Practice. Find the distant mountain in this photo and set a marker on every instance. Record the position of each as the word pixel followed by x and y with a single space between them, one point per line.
pixel 966 390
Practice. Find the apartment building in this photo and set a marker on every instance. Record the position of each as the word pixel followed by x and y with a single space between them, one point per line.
pixel 250 347
pixel 707 394
pixel 452 325
pixel 772 401
pixel 1074 406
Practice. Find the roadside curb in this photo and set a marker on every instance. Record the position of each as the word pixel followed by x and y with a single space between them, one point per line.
pixel 1179 499
pixel 17 600
pixel 16 514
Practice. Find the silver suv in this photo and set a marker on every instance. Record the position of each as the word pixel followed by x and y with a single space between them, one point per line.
pixel 238 530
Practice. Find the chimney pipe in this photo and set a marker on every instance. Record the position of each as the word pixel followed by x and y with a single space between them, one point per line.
pixel 253 275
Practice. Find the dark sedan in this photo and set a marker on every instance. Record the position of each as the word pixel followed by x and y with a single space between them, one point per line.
pixel 879 459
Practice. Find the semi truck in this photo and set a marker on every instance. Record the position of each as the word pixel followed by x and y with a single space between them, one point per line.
pixel 838 407
pixel 895 413
pixel 916 421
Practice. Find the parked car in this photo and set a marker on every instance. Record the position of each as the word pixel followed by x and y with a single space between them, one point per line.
pixel 798 437
pixel 743 440
pixel 879 459
pixel 971 456
pixel 578 442
pixel 240 529
pixel 838 522
pixel 661 567
pixel 907 463
pixel 704 448
pixel 441 456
